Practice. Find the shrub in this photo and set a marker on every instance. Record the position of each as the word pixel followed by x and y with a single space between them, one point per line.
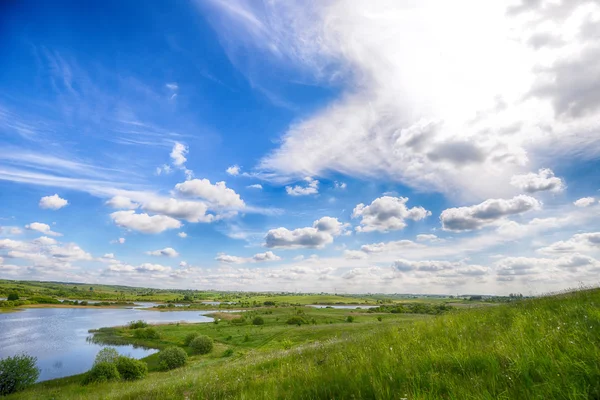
pixel 146 333
pixel 172 357
pixel 269 303
pixel 131 369
pixel 286 343
pixel 191 336
pixel 102 372
pixel 246 338
pixel 16 373
pixel 349 318
pixel 138 324
pixel 379 318
pixel 106 355
pixel 202 344
pixel 238 321
pixel 258 321
pixel 12 297
pixel 296 321
pixel 228 353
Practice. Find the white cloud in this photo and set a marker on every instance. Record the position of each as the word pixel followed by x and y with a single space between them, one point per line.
pixel 143 222
pixel 492 210
pixel 427 238
pixel 233 170
pixel 10 230
pixel 542 181
pixel 122 202
pixel 387 214
pixel 172 86
pixel 166 252
pixel 255 186
pixel 164 169
pixel 354 255
pixel 392 246
pixel 183 264
pixel 339 185
pixel 53 202
pixel 420 106
pixel 109 256
pixel 580 242
pixel 182 235
pixel 259 257
pixel 178 154
pixel 320 234
pixel 585 202
pixel 446 268
pixel 191 211
pixel 219 195
pixel 312 187
pixel 119 241
pixel 45 241
pixel 43 228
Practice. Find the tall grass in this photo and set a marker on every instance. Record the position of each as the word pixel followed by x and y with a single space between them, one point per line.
pixel 546 348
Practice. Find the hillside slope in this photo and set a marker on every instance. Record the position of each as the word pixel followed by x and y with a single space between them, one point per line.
pixel 545 348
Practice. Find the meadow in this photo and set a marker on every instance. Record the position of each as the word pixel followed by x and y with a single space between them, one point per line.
pixel 543 348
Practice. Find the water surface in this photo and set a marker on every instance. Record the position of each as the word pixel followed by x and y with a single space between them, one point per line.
pixel 57 336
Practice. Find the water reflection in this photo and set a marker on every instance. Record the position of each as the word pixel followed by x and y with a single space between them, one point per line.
pixel 58 337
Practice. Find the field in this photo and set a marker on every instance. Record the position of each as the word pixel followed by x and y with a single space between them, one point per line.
pixel 545 348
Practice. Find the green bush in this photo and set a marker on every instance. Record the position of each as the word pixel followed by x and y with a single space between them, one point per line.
pixel 238 321
pixel 296 321
pixel 102 372
pixel 107 355
pixel 12 297
pixel 138 324
pixel 16 373
pixel 379 318
pixel 146 333
pixel 190 336
pixel 349 318
pixel 131 369
pixel 258 321
pixel 228 353
pixel 202 344
pixel 172 357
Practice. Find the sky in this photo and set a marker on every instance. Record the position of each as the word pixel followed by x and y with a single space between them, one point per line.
pixel 316 146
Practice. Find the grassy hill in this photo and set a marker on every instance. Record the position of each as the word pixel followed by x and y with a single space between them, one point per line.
pixel 544 348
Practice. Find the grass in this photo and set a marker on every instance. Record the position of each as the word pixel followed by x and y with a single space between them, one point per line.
pixel 546 348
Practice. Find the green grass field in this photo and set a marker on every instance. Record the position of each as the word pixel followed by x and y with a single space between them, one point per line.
pixel 546 348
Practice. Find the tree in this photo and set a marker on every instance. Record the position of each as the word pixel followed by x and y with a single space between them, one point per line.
pixel 17 372
pixel 13 297
pixel 91 289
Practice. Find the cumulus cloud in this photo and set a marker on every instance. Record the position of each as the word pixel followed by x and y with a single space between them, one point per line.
pixel 339 185
pixel 387 214
pixel 119 241
pixel 510 268
pixel 53 202
pixel 45 241
pixel 474 217
pixel 166 252
pixel 143 222
pixel 218 195
pixel 585 202
pixel 182 235
pixel 191 211
pixel 544 180
pixel 178 154
pixel 448 268
pixel 122 202
pixel 320 234
pixel 311 187
pixel 259 257
pixel 43 228
pixel 580 242
pixel 234 170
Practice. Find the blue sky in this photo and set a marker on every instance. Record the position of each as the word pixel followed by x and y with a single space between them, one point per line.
pixel 314 146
